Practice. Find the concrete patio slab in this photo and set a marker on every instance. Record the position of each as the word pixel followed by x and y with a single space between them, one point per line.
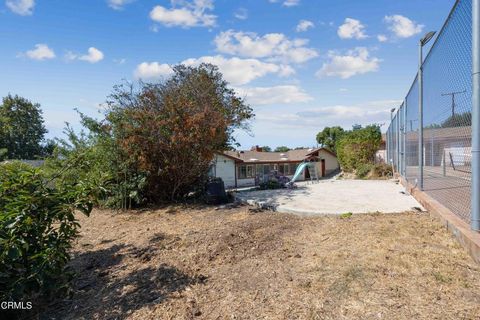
pixel 335 197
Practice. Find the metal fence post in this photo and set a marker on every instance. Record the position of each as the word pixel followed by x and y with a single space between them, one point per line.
pixel 475 213
pixel 387 139
pixel 420 117
pixel 405 138
pixel 398 142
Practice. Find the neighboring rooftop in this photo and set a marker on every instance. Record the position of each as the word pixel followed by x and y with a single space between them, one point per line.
pixel 254 156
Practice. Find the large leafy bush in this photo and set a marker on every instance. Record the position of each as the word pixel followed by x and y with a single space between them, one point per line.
pixel 157 141
pixel 94 156
pixel 358 147
pixel 37 225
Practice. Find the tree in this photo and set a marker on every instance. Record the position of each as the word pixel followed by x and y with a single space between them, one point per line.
pixel 329 137
pixel 356 127
pixel 173 129
pixel 21 128
pixel 37 227
pixel 358 147
pixel 282 149
pixel 458 120
pixel 157 141
pixel 266 149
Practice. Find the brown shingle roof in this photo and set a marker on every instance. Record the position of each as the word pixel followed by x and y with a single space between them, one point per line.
pixel 256 156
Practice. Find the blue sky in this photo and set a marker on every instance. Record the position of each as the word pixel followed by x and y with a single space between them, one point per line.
pixel 301 64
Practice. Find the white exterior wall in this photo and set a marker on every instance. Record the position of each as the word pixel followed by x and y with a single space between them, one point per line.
pixel 225 169
pixel 331 162
pixel 245 182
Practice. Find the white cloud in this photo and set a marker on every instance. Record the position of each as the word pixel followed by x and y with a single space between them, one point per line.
pixel 93 56
pixel 382 38
pixel 275 46
pixel 241 14
pixel 304 25
pixel 287 3
pixel 310 119
pixel 241 71
pixel 368 112
pixel 291 3
pixel 235 70
pixel 152 71
pixel 120 61
pixel 356 61
pixel 41 52
pixel 185 14
pixel 21 7
pixel 118 4
pixel 352 29
pixel 284 94
pixel 402 26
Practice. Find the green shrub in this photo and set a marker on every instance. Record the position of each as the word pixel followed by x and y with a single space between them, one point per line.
pixel 37 225
pixel 157 141
pixel 270 185
pixel 358 147
pixel 364 169
pixel 346 215
pixel 94 158
pixel 382 170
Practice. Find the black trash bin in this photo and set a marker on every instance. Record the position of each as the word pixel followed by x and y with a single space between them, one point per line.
pixel 215 192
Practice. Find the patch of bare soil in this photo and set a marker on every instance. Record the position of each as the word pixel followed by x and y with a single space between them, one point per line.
pixel 201 263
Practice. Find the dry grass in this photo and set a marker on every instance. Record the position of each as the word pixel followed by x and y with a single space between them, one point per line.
pixel 194 263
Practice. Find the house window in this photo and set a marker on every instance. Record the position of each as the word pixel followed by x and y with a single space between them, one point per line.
pixel 246 171
pixel 284 168
pixel 242 172
pixel 293 168
pixel 250 171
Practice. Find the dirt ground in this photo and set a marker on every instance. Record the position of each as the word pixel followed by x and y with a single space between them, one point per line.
pixel 201 263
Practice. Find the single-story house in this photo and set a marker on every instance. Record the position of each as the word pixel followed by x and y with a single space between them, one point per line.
pixel 249 168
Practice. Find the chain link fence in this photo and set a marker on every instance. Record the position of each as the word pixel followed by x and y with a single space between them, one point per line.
pixel 447 104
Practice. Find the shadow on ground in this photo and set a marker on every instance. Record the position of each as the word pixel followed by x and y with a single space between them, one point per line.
pixel 104 288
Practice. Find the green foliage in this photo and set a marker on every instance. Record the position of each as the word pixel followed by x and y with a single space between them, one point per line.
pixel 171 130
pixel 266 149
pixel 37 225
pixel 382 170
pixel 94 157
pixel 282 149
pixel 21 128
pixel 458 120
pixel 3 153
pixel 374 171
pixel 48 148
pixel 346 215
pixel 358 147
pixel 329 137
pixel 157 141
pixel 364 169
pixel 270 185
